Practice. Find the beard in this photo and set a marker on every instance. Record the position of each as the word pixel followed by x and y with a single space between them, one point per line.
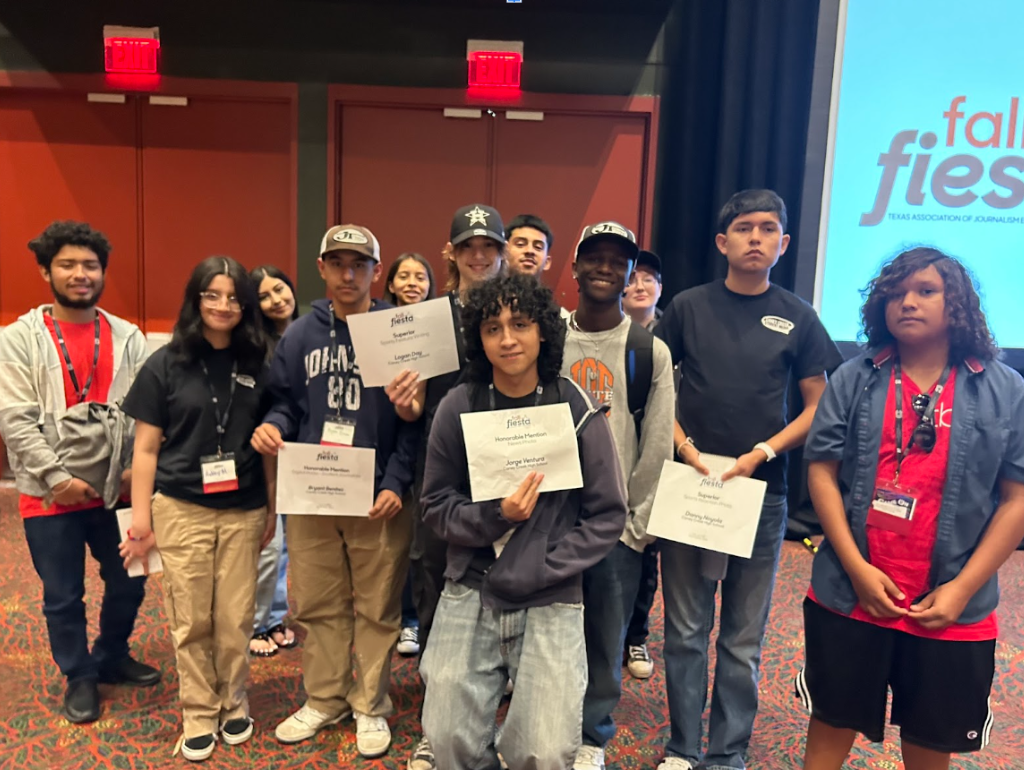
pixel 76 304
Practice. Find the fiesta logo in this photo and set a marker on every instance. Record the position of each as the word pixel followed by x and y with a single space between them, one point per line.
pixel 953 181
pixel 326 457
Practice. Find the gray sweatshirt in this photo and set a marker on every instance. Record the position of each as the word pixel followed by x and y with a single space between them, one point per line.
pixel 33 404
pixel 596 361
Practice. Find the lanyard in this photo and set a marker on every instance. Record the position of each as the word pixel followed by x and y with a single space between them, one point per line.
pixel 222 418
pixel 490 396
pixel 79 394
pixel 927 418
pixel 335 355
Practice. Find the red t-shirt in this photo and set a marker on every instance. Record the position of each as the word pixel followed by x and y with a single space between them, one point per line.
pixel 80 340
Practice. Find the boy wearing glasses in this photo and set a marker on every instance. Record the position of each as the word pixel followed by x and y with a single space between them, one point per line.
pixel 643 292
pixel 917 474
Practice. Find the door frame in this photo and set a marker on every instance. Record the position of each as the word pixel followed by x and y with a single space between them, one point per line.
pixel 162 85
pixel 340 96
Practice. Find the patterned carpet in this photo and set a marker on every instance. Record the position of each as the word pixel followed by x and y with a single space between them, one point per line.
pixel 139 727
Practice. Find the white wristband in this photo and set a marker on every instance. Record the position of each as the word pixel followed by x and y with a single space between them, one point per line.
pixel 763 446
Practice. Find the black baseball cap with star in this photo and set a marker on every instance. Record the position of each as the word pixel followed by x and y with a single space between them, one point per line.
pixel 477 219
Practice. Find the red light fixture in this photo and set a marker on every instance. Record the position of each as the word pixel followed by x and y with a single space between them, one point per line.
pixel 495 69
pixel 131 50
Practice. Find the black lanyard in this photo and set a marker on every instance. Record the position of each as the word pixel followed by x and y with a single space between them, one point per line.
pixel 349 369
pixel 927 419
pixel 493 406
pixel 79 394
pixel 222 418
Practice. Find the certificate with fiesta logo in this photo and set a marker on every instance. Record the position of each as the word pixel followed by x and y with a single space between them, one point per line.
pixel 706 512
pixel 318 480
pixel 505 445
pixel 420 337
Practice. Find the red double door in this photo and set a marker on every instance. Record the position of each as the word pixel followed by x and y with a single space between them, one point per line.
pixel 404 170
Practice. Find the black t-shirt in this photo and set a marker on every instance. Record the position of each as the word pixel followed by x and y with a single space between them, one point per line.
pixel 176 398
pixel 736 355
pixel 484 557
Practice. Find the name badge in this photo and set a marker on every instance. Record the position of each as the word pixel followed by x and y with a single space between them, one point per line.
pixel 219 474
pixel 338 431
pixel 892 510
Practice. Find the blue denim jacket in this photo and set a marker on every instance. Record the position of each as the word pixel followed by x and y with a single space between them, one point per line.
pixel 986 444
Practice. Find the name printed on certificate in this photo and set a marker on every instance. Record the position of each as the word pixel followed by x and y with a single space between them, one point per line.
pixel 505 445
pixel 420 337
pixel 706 512
pixel 319 480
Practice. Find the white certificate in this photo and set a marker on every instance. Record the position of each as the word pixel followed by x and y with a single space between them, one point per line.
pixel 320 480
pixel 156 564
pixel 503 446
pixel 706 512
pixel 419 337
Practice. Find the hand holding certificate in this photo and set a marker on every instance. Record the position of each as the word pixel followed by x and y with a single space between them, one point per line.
pixel 419 337
pixel 319 480
pixel 506 445
pixel 154 564
pixel 706 512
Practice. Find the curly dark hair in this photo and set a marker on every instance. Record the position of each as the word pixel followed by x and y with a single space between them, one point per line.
pixel 247 340
pixel 69 233
pixel 521 294
pixel 969 335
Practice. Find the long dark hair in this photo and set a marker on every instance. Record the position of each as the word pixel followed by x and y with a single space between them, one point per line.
pixel 522 294
pixel 969 335
pixel 389 296
pixel 247 340
pixel 256 275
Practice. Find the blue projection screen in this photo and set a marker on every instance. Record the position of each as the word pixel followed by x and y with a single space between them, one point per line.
pixel 926 147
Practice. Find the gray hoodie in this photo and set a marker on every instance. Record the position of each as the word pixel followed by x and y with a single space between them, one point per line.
pixel 35 422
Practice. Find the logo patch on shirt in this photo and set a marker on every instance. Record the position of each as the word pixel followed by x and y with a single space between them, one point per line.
pixel 246 380
pixel 777 324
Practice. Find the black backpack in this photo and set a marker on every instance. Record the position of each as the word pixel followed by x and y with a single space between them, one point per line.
pixel 639 372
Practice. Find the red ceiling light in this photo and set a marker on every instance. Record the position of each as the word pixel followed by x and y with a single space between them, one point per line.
pixel 495 64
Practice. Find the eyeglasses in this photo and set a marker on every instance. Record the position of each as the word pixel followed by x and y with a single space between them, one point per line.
pixel 213 300
pixel 649 281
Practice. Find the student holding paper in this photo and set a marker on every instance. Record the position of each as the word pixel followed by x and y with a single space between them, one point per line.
pixel 196 403
pixel 739 343
pixel 917 474
pixel 512 602
pixel 347 571
pixel 604 351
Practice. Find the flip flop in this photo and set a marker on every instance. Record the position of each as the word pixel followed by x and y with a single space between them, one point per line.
pixel 282 629
pixel 263 637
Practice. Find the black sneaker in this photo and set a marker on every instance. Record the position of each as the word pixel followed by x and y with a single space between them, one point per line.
pixel 130 671
pixel 81 701
pixel 237 731
pixel 199 748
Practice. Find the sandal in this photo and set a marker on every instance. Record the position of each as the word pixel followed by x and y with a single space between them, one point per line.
pixel 283 630
pixel 263 653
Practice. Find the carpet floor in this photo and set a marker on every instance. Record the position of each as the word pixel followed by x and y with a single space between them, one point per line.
pixel 139 727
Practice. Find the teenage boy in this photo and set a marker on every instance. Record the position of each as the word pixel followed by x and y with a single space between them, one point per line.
pixel 347 572
pixel 529 245
pixel 602 345
pixel 644 290
pixel 63 368
pixel 641 302
pixel 514 611
pixel 738 343
pixel 917 474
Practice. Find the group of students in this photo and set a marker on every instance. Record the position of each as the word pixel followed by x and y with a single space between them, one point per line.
pixel 542 593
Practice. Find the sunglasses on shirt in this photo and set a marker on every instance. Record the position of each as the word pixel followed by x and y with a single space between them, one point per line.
pixel 924 434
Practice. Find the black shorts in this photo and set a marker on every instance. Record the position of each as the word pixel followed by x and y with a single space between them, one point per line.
pixel 940 689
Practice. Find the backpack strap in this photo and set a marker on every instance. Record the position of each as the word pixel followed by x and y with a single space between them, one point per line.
pixel 639 372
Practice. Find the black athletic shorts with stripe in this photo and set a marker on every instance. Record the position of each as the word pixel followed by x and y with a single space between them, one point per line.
pixel 940 689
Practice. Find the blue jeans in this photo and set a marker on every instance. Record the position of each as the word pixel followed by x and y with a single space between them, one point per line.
pixel 636 631
pixel 272 582
pixel 473 652
pixel 689 616
pixel 609 593
pixel 57 546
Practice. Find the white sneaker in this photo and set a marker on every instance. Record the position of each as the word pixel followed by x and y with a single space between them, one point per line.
pixel 589 758
pixel 422 757
pixel 409 641
pixel 373 736
pixel 305 723
pixel 675 763
pixel 639 662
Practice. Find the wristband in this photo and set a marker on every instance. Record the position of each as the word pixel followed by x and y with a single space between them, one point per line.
pixel 66 484
pixel 134 539
pixel 683 444
pixel 763 446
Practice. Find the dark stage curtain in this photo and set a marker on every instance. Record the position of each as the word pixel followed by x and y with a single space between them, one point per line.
pixel 734 114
